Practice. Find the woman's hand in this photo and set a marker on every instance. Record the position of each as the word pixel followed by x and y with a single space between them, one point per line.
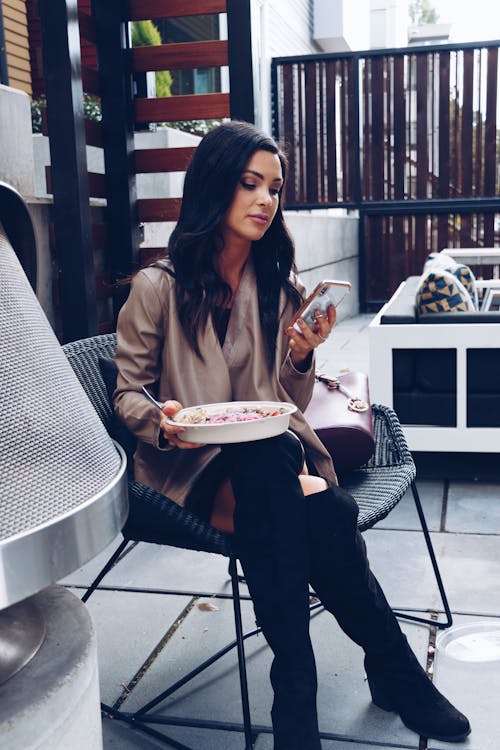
pixel 172 432
pixel 301 344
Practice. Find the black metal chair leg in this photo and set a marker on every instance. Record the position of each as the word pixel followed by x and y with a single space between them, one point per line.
pixel 441 624
pixel 241 654
pixel 114 557
pixel 130 719
pixel 140 718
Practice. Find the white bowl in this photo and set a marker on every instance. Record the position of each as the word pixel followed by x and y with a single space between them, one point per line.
pixel 474 642
pixel 236 432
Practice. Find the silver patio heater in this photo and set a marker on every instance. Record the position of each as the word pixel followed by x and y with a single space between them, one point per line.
pixel 63 489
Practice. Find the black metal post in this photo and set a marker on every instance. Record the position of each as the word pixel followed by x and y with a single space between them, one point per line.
pixel 63 88
pixel 239 36
pixel 116 86
pixel 449 618
pixel 111 562
pixel 4 70
pixel 245 702
pixel 358 191
pixel 275 113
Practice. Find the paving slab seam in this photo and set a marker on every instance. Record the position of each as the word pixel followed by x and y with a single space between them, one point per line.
pixel 333 737
pixel 444 532
pixel 259 730
pixel 131 547
pixel 444 506
pixel 399 530
pixel 431 647
pixel 468 613
pixel 154 654
pixel 164 739
pixel 468 533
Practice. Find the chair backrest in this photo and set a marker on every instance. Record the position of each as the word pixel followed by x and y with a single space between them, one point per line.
pixel 179 527
pixel 83 356
pixel 92 360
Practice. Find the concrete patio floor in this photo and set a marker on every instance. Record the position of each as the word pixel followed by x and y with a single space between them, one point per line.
pixel 147 639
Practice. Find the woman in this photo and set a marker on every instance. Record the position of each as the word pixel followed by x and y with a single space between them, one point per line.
pixel 211 323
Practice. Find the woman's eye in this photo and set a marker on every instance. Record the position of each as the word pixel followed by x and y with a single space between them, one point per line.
pixel 252 186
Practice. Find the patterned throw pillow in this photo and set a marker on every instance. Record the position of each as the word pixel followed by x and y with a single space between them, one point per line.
pixel 441 291
pixel 467 278
pixel 443 262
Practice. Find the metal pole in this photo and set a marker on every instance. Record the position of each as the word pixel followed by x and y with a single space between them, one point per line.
pixel 4 70
pixel 241 83
pixel 63 88
pixel 116 83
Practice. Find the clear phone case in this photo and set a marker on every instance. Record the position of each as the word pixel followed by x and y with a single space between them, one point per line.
pixel 327 293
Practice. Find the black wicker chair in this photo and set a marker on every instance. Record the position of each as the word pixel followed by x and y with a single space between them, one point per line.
pixel 377 487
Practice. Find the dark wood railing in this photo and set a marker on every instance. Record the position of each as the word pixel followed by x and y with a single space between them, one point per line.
pixel 97 245
pixel 408 137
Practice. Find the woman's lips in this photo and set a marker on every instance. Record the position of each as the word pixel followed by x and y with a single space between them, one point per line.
pixel 260 219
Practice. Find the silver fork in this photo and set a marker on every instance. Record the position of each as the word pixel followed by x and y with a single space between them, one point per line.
pixel 151 398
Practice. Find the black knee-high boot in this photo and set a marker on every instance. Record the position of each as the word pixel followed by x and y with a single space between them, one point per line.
pixel 341 576
pixel 271 538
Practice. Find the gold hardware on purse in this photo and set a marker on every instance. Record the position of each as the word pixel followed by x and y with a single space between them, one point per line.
pixel 354 403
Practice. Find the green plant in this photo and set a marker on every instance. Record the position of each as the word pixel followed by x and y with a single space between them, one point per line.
pixel 196 127
pixel 421 12
pixel 36 113
pixel 91 110
pixel 92 107
pixel 146 33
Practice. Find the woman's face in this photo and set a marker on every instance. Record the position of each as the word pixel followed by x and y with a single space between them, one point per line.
pixel 255 200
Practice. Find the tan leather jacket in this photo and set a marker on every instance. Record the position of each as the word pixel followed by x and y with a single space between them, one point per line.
pixel 152 351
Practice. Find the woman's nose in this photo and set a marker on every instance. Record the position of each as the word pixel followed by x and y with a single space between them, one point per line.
pixel 264 197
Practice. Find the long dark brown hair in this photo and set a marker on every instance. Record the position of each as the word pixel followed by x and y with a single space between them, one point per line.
pixel 209 186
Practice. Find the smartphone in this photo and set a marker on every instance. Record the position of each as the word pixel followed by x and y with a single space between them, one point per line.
pixel 325 294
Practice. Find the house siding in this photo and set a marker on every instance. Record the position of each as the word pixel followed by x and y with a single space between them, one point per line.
pixel 290 28
pixel 279 28
pixel 17 44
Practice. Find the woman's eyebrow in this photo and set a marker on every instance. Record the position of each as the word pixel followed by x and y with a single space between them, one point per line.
pixel 261 176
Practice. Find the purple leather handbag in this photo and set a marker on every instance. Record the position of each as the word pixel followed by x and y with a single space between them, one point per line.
pixel 340 414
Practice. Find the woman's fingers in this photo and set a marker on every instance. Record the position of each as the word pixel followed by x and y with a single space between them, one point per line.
pixel 332 315
pixel 173 432
pixel 325 323
pixel 301 343
pixel 305 334
pixel 307 339
pixel 169 410
pixel 171 407
pixel 178 442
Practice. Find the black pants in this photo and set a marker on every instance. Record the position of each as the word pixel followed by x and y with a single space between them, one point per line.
pixel 286 541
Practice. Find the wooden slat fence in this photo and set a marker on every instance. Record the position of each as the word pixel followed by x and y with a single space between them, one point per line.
pixel 96 181
pixel 408 137
pixel 141 10
pixel 186 55
pixel 106 71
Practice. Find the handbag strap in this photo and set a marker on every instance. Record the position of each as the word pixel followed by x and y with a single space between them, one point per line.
pixel 354 403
